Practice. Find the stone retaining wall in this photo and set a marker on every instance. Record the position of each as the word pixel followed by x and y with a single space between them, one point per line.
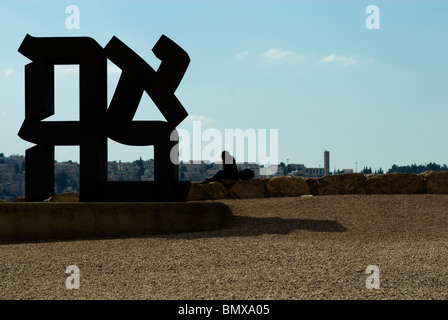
pixel 350 183
pixel 31 221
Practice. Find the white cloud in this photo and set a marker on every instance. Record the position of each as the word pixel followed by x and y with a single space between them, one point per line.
pixel 242 55
pixel 276 54
pixel 346 61
pixel 9 72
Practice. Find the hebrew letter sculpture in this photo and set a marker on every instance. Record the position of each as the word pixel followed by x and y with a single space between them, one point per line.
pixel 97 122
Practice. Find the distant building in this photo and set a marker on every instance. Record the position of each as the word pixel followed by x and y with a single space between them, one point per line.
pixel 315 172
pixel 12 172
pixel 326 163
pixel 301 171
pixel 298 170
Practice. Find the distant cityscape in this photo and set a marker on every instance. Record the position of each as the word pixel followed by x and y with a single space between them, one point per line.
pixel 12 172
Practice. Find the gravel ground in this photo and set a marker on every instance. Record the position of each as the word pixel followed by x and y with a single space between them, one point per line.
pixel 277 248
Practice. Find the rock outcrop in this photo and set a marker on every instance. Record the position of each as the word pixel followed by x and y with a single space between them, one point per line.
pixel 394 183
pixel 210 191
pixel 435 182
pixel 347 183
pixel 287 187
pixel 246 189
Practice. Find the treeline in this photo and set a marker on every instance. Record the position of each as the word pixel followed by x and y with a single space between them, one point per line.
pixel 369 171
pixel 414 168
pixel 417 168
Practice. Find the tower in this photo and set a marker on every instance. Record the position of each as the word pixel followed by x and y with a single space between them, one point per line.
pixel 326 163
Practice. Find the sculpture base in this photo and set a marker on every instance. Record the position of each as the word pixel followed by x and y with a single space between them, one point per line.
pixel 35 221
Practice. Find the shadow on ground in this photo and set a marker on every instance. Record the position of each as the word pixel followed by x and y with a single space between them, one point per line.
pixel 236 226
pixel 241 226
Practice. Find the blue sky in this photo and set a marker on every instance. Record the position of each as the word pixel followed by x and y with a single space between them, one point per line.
pixel 310 69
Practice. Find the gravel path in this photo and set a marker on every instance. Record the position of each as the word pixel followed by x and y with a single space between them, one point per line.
pixel 277 248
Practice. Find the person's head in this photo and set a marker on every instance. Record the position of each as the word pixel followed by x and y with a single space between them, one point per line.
pixel 227 158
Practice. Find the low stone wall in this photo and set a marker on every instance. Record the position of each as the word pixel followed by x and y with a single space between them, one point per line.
pixel 350 183
pixel 64 219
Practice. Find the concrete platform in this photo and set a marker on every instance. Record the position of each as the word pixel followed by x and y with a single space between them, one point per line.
pixel 32 221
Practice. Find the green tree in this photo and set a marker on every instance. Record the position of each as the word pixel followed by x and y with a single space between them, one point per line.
pixel 139 162
pixel 75 186
pixel 61 181
pixel 366 170
pixel 141 170
pixel 433 167
pixel 393 169
pixel 414 168
pixel 283 166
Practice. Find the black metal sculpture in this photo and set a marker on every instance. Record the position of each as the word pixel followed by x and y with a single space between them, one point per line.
pixel 97 122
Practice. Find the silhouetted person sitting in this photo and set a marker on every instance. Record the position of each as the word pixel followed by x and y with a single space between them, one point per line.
pixel 229 169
